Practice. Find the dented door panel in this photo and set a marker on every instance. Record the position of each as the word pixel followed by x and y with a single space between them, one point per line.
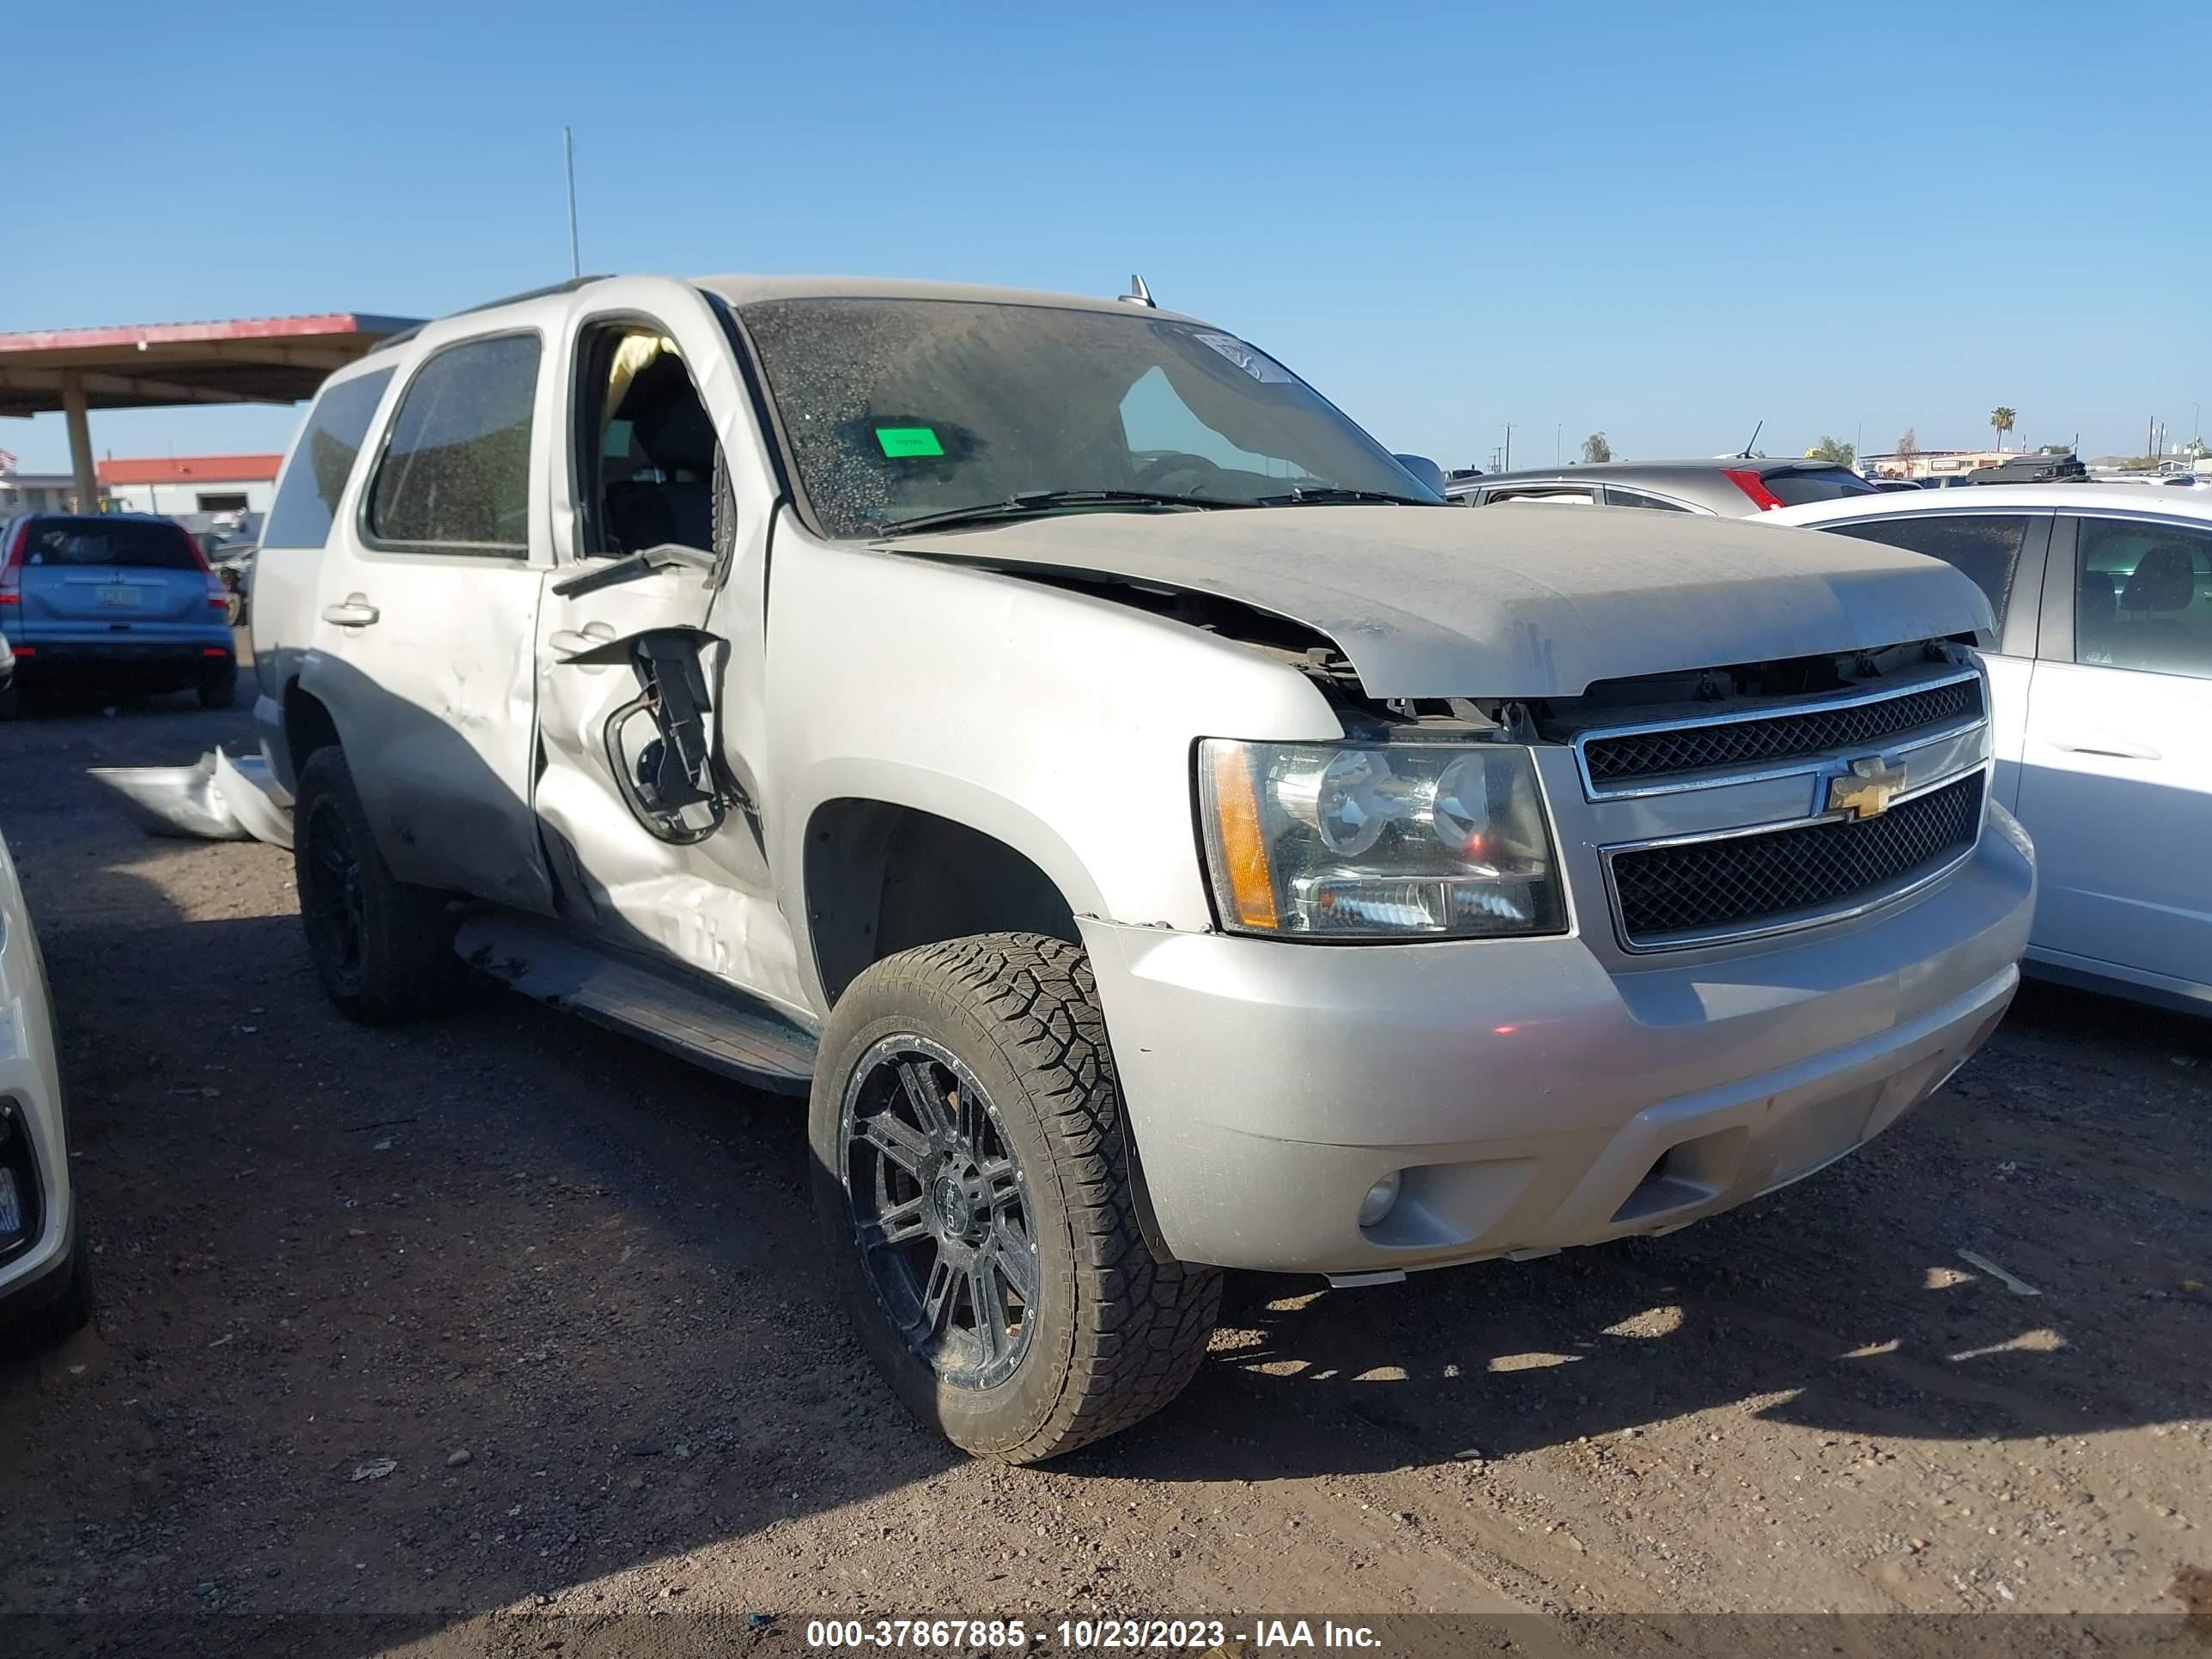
pixel 690 884
pixel 434 704
pixel 701 895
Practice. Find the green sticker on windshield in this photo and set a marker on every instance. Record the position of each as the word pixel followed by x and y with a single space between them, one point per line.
pixel 899 441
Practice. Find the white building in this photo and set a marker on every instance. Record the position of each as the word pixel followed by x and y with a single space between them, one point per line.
pixel 180 485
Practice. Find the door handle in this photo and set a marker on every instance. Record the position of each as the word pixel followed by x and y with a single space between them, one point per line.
pixel 571 641
pixel 355 612
pixel 2106 743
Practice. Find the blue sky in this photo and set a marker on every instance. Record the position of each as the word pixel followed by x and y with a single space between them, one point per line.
pixel 1664 222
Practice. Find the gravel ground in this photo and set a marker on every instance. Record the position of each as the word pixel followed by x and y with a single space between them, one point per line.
pixel 500 1325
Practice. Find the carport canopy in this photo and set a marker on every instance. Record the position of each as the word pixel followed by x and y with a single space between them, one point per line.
pixel 258 360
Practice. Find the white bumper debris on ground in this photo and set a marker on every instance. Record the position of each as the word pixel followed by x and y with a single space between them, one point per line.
pixel 213 799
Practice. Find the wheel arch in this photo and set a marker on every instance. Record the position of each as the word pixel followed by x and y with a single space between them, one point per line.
pixel 882 876
pixel 308 726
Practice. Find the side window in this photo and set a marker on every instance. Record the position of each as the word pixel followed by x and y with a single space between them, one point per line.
pixel 648 463
pixel 322 461
pixel 1984 546
pixel 455 475
pixel 1566 494
pixel 2145 597
pixel 1616 496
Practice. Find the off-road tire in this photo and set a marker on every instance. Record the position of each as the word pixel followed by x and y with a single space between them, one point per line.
pixel 1118 1332
pixel 405 963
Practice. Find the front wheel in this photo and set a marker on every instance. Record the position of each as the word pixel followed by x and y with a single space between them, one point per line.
pixel 973 1188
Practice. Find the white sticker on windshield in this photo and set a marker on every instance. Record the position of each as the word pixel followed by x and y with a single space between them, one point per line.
pixel 1253 361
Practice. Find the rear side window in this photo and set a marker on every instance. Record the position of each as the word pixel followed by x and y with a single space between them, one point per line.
pixel 322 462
pixel 1616 496
pixel 1569 494
pixel 1984 546
pixel 134 544
pixel 2145 598
pixel 455 473
pixel 1795 487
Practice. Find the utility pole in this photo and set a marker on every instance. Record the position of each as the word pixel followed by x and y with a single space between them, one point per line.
pixel 1555 444
pixel 1508 467
pixel 568 152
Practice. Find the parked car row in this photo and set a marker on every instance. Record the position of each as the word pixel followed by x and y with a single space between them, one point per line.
pixel 1056 741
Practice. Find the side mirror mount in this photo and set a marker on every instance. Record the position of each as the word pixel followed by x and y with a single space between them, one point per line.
pixel 1430 474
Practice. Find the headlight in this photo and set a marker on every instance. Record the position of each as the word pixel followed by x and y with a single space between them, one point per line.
pixel 1378 840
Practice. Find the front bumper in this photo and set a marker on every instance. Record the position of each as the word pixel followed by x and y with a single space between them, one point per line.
pixel 1533 1097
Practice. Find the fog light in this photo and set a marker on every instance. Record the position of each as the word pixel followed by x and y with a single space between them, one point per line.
pixel 1380 1198
pixel 11 1207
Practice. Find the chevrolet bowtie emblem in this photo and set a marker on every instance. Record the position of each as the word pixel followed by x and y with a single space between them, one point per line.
pixel 1867 789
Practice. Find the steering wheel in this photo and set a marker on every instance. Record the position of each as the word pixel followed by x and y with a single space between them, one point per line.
pixel 1194 471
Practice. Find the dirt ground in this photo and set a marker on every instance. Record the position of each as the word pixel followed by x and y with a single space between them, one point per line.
pixel 565 1289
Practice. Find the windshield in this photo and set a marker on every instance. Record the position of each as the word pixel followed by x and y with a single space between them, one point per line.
pixel 897 408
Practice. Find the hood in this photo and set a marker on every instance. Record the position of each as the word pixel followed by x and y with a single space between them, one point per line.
pixel 1508 601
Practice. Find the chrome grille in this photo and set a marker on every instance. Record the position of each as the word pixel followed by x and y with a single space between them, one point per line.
pixel 1616 760
pixel 1734 885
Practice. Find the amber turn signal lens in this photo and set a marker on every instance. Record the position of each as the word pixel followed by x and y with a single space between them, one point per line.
pixel 1244 845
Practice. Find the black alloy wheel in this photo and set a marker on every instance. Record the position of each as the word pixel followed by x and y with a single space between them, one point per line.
pixel 941 1210
pixel 331 897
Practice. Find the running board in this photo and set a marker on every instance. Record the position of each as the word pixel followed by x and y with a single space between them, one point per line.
pixel 723 1032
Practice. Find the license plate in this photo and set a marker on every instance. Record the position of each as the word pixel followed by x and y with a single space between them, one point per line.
pixel 118 597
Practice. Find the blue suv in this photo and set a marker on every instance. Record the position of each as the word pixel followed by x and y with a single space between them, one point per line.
pixel 115 602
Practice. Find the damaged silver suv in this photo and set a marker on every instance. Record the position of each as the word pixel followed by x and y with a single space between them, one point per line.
pixel 1154 831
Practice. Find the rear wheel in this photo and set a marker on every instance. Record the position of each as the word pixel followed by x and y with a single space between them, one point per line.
pixel 221 691
pixel 972 1186
pixel 11 698
pixel 382 947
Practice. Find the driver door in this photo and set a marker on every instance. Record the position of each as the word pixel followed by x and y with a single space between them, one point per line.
pixel 647 807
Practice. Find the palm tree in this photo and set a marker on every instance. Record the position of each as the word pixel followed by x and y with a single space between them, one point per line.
pixel 2002 419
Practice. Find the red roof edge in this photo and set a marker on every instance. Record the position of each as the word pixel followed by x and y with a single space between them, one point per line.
pixel 190 469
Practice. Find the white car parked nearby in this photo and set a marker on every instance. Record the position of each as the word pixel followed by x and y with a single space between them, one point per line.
pixel 2103 681
pixel 43 1287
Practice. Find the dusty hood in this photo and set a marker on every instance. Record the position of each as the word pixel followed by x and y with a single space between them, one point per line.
pixel 1509 601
